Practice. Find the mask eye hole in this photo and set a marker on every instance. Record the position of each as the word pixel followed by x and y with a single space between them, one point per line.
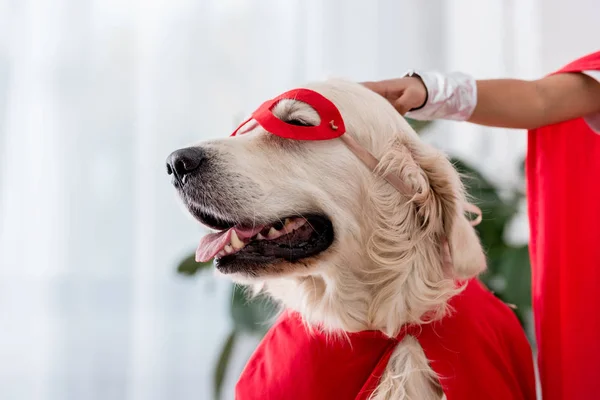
pixel 298 122
pixel 297 113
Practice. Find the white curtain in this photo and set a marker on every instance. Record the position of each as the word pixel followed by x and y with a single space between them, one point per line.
pixel 94 94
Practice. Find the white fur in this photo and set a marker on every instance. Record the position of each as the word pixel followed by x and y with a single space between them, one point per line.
pixel 385 267
pixel 408 375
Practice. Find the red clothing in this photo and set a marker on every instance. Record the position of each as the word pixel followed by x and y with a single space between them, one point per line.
pixel 479 351
pixel 563 190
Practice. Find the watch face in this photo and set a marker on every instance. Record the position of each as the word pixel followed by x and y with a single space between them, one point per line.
pixel 331 125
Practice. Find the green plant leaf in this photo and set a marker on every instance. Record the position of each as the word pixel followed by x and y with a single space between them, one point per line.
pixel 418 126
pixel 223 364
pixel 252 315
pixel 188 266
pixel 522 167
pixel 516 270
pixel 510 265
pixel 497 212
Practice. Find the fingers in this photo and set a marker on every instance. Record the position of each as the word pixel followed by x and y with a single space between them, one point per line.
pixel 403 93
pixel 401 109
pixel 378 87
pixel 403 104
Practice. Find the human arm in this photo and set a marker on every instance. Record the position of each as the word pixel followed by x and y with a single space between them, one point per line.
pixel 513 103
pixel 507 103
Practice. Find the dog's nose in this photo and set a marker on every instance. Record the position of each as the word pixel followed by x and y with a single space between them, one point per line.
pixel 184 161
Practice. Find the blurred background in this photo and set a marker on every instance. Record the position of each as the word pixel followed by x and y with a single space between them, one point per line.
pixel 94 94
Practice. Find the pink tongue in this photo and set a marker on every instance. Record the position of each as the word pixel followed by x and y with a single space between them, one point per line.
pixel 213 243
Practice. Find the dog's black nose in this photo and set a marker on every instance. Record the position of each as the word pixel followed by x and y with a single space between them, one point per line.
pixel 184 161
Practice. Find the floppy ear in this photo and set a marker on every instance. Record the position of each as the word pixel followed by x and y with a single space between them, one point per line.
pixel 439 197
pixel 467 257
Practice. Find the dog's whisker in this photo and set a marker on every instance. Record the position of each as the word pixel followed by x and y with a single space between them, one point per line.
pixel 253 216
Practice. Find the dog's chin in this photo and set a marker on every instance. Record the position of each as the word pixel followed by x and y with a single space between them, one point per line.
pixel 243 269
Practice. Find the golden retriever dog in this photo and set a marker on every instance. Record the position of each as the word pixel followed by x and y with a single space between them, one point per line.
pixel 325 236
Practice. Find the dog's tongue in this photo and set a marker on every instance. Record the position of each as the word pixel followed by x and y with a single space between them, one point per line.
pixel 213 243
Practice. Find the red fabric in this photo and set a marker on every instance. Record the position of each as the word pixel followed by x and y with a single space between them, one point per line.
pixel 479 351
pixel 331 126
pixel 563 190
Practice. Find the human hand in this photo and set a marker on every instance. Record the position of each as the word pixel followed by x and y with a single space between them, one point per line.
pixel 403 93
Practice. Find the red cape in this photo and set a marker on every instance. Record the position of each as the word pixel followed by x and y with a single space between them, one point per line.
pixel 563 190
pixel 479 352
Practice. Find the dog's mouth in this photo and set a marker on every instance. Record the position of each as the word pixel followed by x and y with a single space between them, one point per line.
pixel 239 246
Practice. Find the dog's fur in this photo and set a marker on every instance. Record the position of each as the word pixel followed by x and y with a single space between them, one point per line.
pixel 385 267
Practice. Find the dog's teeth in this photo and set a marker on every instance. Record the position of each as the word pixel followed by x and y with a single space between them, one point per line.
pixel 236 243
pixel 273 233
pixel 287 229
pixel 228 249
pixel 221 253
pixel 299 223
pixel 294 224
pixel 260 237
pixel 288 221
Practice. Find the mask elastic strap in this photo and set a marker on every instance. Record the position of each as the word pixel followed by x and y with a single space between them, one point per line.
pixel 371 162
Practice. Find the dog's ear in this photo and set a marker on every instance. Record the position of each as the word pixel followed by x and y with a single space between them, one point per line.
pixel 467 257
pixel 439 199
pixel 448 195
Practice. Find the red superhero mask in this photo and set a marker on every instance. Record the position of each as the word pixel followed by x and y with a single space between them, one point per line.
pixel 331 126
